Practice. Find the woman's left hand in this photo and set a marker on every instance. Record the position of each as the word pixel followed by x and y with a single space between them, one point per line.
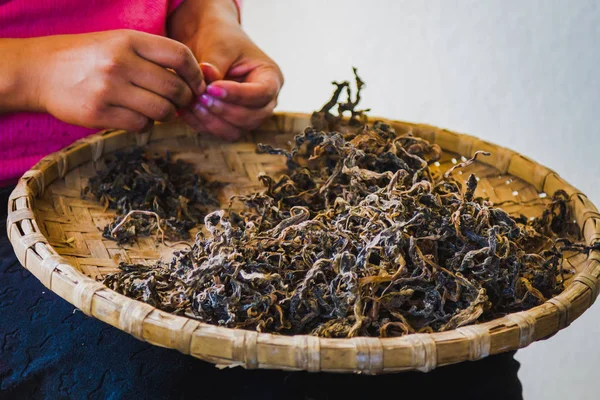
pixel 243 82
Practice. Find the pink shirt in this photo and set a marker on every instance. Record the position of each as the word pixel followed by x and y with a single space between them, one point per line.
pixel 27 137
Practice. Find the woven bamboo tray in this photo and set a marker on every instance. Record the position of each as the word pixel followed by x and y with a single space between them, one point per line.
pixel 56 235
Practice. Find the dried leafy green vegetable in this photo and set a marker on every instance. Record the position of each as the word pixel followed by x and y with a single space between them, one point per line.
pixel 359 238
pixel 151 192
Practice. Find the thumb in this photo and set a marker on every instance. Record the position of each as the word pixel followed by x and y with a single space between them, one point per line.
pixel 211 73
pixel 216 60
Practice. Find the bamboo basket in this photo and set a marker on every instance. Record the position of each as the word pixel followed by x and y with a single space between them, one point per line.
pixel 46 209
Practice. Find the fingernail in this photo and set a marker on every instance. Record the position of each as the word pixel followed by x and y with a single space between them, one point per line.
pixel 211 72
pixel 216 91
pixel 206 100
pixel 201 110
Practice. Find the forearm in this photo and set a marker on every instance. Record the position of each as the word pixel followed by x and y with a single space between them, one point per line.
pixel 20 67
pixel 185 23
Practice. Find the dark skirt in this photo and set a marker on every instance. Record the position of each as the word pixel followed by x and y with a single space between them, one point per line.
pixel 50 350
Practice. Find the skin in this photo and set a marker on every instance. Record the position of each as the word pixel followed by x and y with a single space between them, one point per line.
pixel 125 79
pixel 243 82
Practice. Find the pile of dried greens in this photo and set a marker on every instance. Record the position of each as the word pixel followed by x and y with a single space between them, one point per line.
pixel 358 239
pixel 146 188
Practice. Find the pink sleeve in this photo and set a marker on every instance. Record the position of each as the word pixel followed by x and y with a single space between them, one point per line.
pixel 173 4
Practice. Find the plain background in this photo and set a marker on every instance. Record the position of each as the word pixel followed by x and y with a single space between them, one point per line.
pixel 524 74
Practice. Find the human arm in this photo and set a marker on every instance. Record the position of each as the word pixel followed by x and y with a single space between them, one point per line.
pixel 243 81
pixel 18 78
pixel 113 79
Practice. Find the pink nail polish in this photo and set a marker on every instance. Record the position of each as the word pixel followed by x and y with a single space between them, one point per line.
pixel 200 109
pixel 206 100
pixel 216 91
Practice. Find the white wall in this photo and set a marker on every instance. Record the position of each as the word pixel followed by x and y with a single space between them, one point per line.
pixel 521 73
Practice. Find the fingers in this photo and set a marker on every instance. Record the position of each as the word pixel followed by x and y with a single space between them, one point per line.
pixel 169 53
pixel 189 118
pixel 145 102
pixel 239 116
pixel 229 108
pixel 122 118
pixel 164 83
pixel 210 72
pixel 215 125
pixel 260 87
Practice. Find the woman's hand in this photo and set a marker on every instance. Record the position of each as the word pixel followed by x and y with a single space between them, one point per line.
pixel 115 79
pixel 243 81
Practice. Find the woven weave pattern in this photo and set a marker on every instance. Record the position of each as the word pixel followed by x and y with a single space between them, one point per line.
pixel 73 225
pixel 57 236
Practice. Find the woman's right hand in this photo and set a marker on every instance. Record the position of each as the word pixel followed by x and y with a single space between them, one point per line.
pixel 115 79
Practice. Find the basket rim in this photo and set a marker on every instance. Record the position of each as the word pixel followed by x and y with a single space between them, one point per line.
pixel 421 351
